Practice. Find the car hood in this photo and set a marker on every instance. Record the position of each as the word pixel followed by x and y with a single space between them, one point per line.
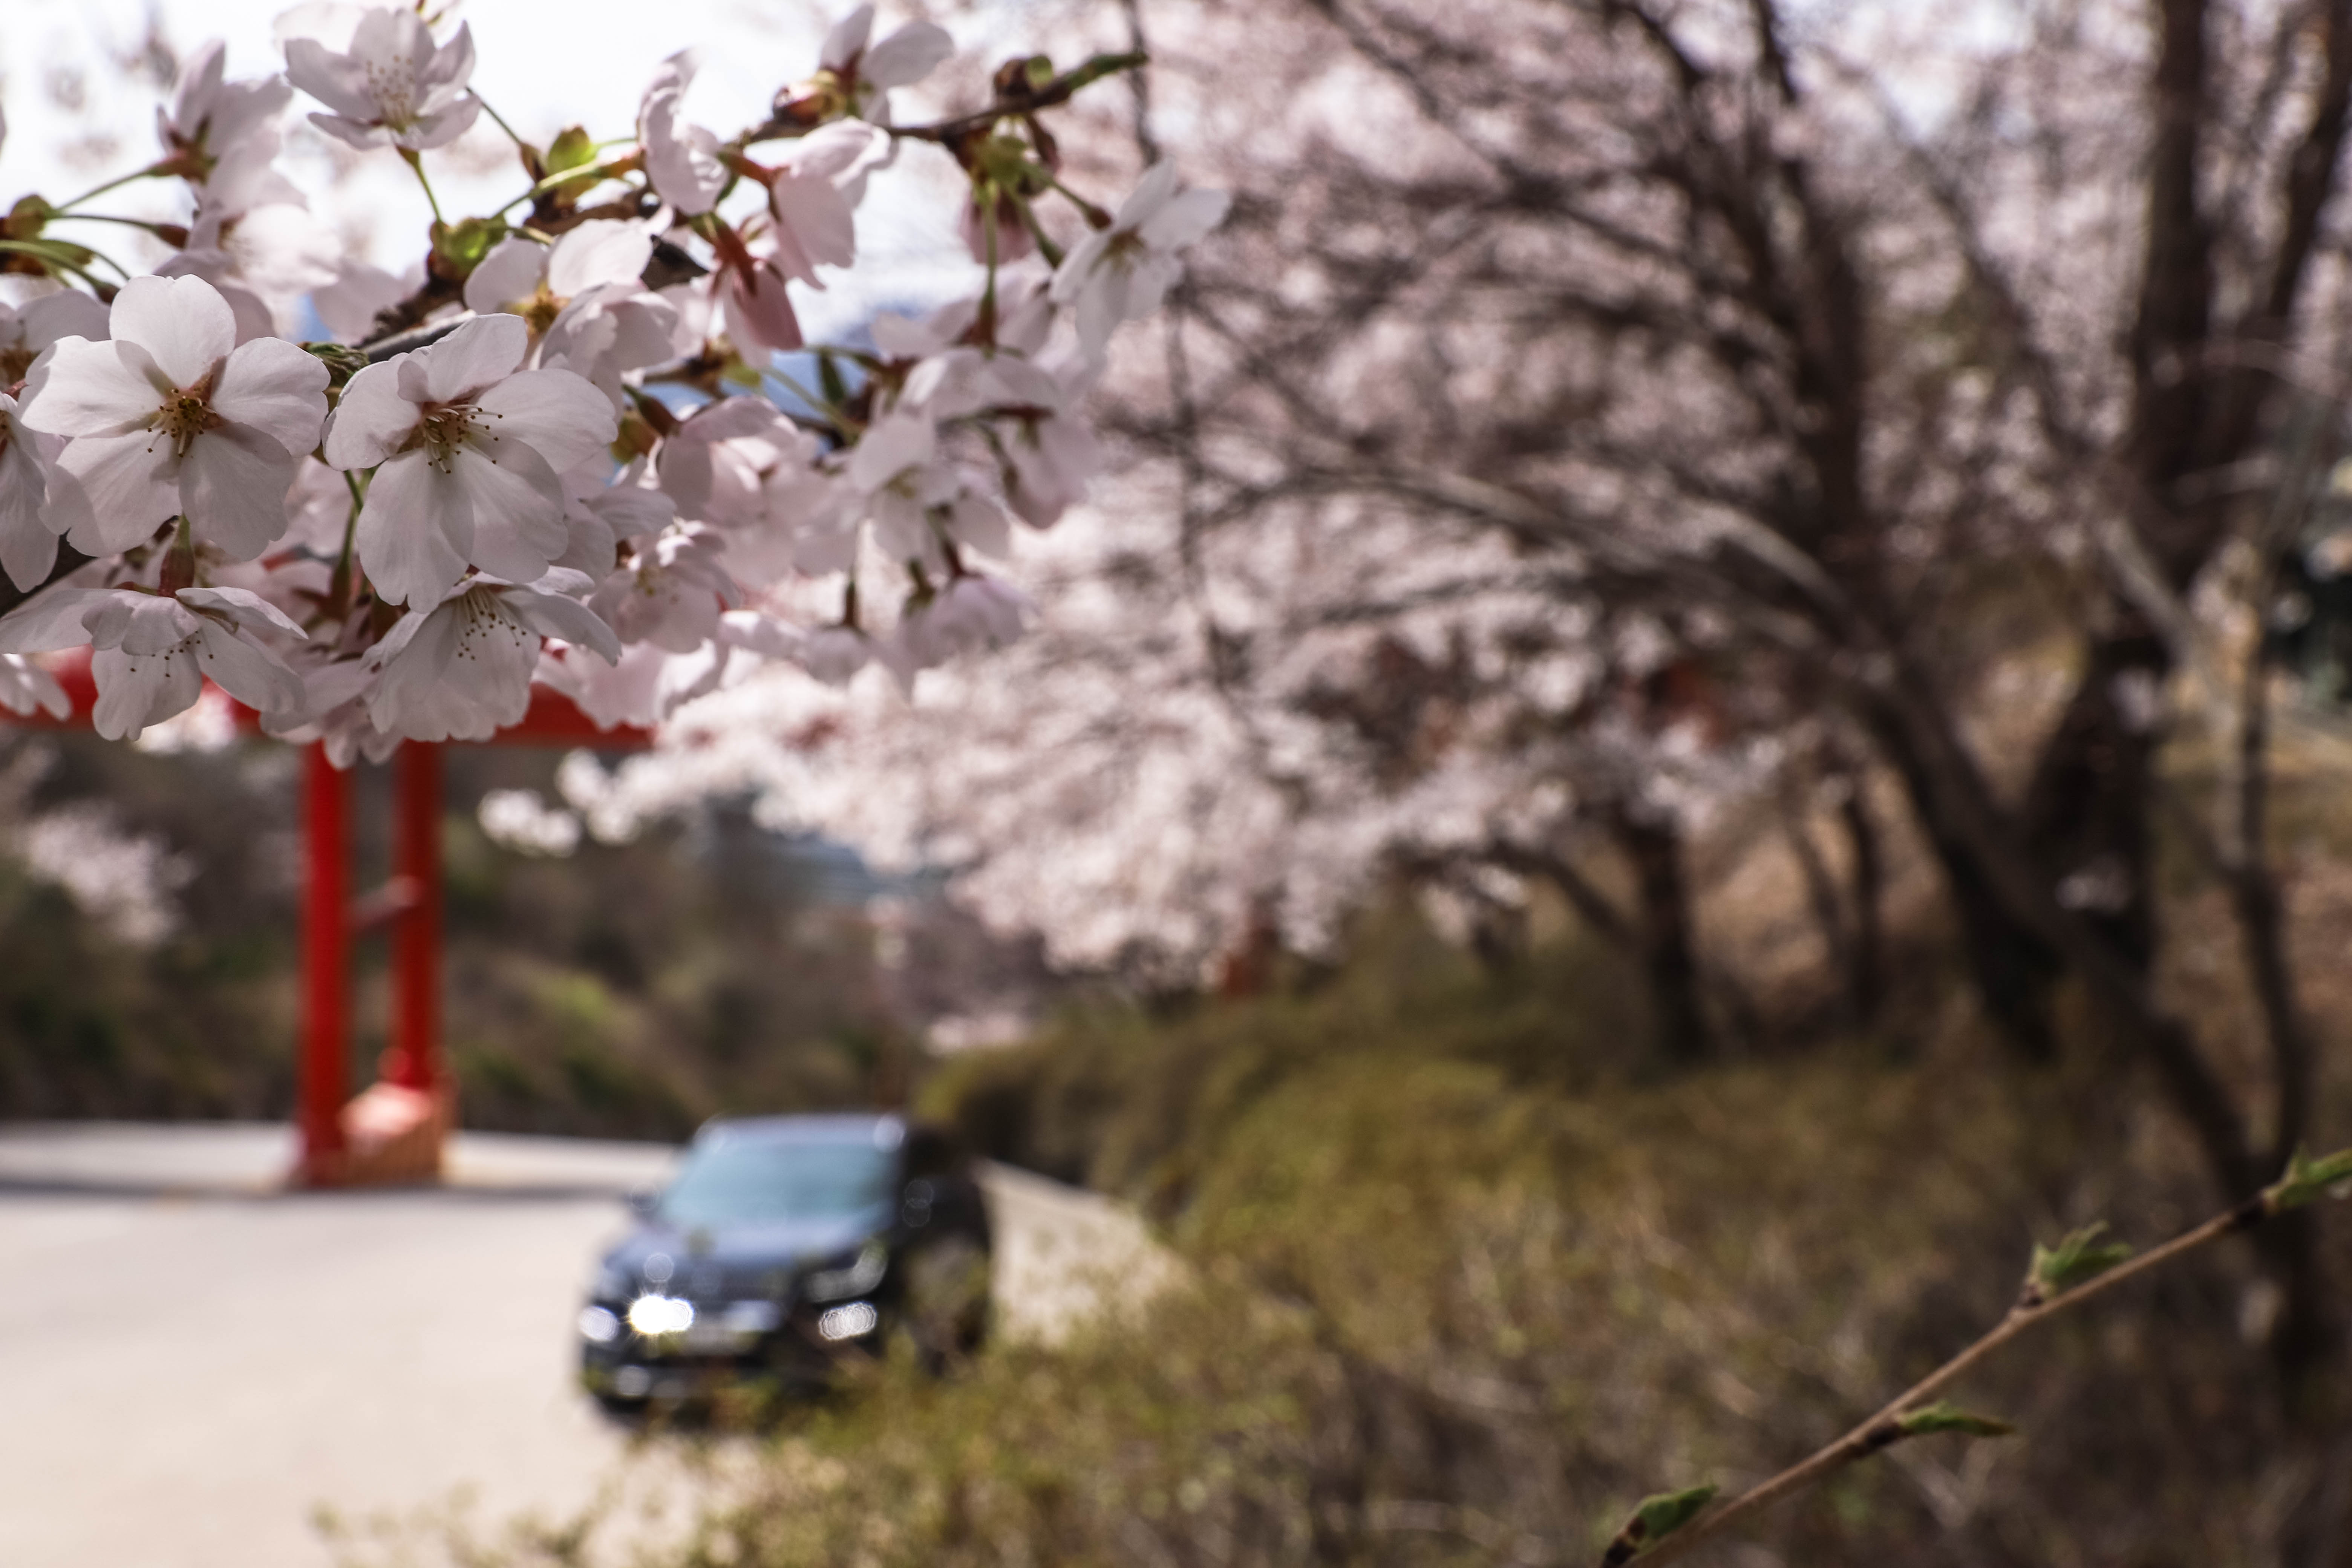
pixel 738 1248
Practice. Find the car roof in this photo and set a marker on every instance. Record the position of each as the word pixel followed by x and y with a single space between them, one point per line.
pixel 881 1130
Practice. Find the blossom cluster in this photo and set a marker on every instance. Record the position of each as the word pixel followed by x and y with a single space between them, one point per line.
pixel 568 447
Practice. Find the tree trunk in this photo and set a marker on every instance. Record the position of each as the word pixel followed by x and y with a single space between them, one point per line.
pixel 1867 978
pixel 1662 936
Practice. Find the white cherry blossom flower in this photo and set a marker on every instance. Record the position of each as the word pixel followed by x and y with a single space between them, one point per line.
pixel 671 592
pixel 867 72
pixel 970 614
pixel 681 158
pixel 470 448
pixel 155 651
pixel 1121 273
pixel 391 84
pixel 898 468
pixel 224 135
pixel 584 300
pixel 536 281
pixel 741 466
pixel 172 415
pixel 28 545
pixel 463 669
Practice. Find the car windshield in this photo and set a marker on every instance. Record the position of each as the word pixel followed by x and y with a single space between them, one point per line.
pixel 751 1180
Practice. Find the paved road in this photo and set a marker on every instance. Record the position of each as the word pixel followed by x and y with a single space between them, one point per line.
pixel 192 1362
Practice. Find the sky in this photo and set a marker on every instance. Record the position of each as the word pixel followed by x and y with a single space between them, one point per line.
pixel 77 117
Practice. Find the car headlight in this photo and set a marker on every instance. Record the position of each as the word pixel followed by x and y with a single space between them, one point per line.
pixel 599 1327
pixel 857 1277
pixel 849 1322
pixel 655 1315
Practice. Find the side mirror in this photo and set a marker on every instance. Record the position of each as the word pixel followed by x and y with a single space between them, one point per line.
pixel 643 1200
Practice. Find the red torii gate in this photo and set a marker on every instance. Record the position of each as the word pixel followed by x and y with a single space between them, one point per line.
pixel 393 1130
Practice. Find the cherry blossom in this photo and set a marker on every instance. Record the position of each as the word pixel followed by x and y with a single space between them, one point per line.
pixel 467 448
pixel 1121 273
pixel 172 415
pixel 670 591
pixel 584 301
pixel 225 132
pixel 390 83
pixel 462 670
pixel 536 465
pixel 970 614
pixel 867 72
pixel 155 651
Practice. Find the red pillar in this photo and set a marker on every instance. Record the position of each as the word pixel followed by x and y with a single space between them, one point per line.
pixel 323 1082
pixel 415 1057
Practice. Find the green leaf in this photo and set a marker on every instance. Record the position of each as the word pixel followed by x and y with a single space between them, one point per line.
pixel 2307 1179
pixel 1655 1517
pixel 1944 1416
pixel 2080 1256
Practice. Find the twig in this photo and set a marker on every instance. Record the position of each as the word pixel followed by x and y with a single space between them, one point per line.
pixel 1909 1415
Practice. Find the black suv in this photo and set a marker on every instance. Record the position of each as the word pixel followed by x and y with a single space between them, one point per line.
pixel 782 1244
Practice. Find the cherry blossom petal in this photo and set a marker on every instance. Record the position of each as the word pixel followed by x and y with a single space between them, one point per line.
pixel 91 389
pixel 1185 219
pixel 183 322
pixel 908 55
pixel 29 546
pixel 813 226
pixel 352 132
pixel 49 620
pixel 559 414
pixel 568 620
pixel 847 38
pixel 509 275
pixel 67 313
pixel 479 355
pixel 601 250
pixel 516 504
pixel 335 80
pixel 232 487
pixel 135 690
pixel 371 419
pixel 442 126
pixel 243 606
pixel 247 671
pixel 138 623
pixel 452 64
pixel 273 387
pixel 415 531
pixel 112 491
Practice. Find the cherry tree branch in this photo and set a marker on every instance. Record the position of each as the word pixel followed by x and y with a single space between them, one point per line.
pixel 2061 1280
